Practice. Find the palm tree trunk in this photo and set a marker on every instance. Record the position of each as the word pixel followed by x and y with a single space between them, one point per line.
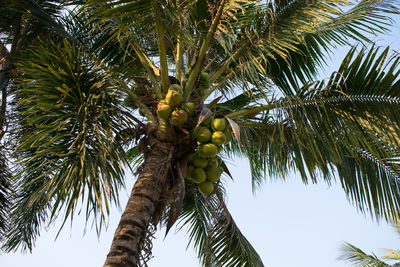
pixel 132 229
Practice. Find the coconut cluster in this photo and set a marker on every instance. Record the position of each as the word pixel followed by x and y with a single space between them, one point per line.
pixel 173 109
pixel 204 166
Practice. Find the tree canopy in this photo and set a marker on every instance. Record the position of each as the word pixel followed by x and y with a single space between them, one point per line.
pixel 118 85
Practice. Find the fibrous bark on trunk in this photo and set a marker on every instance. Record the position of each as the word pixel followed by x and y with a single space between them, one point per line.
pixel 132 230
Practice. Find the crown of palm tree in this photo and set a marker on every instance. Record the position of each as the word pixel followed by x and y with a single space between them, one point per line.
pixel 79 92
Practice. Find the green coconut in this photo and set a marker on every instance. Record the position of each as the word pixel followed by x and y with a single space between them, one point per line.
pixel 173 98
pixel 184 81
pixel 178 118
pixel 187 73
pixel 219 124
pixel 199 175
pixel 204 77
pixel 213 173
pixel 189 171
pixel 218 138
pixel 189 107
pixel 208 150
pixel 176 87
pixel 203 134
pixel 163 109
pixel 200 162
pixel 212 162
pixel 206 187
pixel 207 122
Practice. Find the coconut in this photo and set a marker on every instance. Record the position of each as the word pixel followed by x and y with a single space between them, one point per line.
pixel 207 150
pixel 176 87
pixel 178 118
pixel 189 107
pixel 212 162
pixel 187 73
pixel 218 124
pixel 208 121
pixel 218 138
pixel 203 134
pixel 163 109
pixel 184 81
pixel 199 175
pixel 173 98
pixel 189 171
pixel 213 173
pixel 200 162
pixel 206 187
pixel 204 77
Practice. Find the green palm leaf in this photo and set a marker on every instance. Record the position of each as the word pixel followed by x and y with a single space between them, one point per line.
pixel 290 60
pixel 213 232
pixel 348 124
pixel 5 192
pixel 72 102
pixel 358 257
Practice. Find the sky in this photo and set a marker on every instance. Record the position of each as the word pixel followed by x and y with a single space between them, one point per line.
pixel 288 223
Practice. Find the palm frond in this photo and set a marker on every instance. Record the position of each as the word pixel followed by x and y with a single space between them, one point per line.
pixel 213 232
pixel 358 257
pixel 290 55
pixel 5 192
pixel 70 112
pixel 348 124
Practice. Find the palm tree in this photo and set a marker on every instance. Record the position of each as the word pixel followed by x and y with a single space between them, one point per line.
pixel 357 257
pixel 144 84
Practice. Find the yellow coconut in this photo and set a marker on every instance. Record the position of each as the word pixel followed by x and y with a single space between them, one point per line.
pixel 218 138
pixel 203 134
pixel 208 150
pixel 178 118
pixel 173 98
pixel 163 109
pixel 219 124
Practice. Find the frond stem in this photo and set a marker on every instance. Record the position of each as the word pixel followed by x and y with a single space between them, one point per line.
pixel 179 58
pixel 150 68
pixel 218 84
pixel 228 61
pixel 161 48
pixel 146 111
pixel 203 50
pixel 256 110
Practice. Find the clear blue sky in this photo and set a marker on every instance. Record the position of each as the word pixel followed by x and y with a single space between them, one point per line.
pixel 289 223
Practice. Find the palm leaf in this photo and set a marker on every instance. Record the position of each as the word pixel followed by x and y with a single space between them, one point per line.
pixel 290 60
pixel 358 257
pixel 348 124
pixel 70 114
pixel 214 233
pixel 5 192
